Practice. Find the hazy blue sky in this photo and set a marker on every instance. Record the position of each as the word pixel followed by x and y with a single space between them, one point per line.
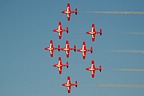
pixel 26 29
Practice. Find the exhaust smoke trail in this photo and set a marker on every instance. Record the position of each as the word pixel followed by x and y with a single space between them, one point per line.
pixel 116 12
pixel 121 85
pixel 136 33
pixel 132 70
pixel 127 51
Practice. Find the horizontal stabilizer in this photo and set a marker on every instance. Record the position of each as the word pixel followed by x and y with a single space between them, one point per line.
pixel 100 31
pixel 100 68
pixel 76 11
pixel 76 83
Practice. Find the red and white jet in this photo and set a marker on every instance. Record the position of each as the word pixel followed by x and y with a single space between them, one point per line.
pixel 51 48
pixel 59 65
pixel 84 50
pixel 67 49
pixel 59 30
pixel 93 32
pixel 68 84
pixel 92 68
pixel 68 11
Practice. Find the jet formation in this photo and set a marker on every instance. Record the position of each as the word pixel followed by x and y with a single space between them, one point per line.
pixel 92 68
pixel 67 48
pixel 93 32
pixel 51 48
pixel 59 30
pixel 59 65
pixel 68 84
pixel 83 50
pixel 68 11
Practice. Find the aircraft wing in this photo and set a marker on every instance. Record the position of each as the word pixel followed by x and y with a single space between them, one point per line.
pixel 93 28
pixel 51 44
pixel 67 53
pixel 59 26
pixel 60 70
pixel 60 35
pixel 93 37
pixel 68 7
pixel 92 64
pixel 93 73
pixel 69 89
pixel 68 16
pixel 68 80
pixel 51 53
pixel 67 44
pixel 84 54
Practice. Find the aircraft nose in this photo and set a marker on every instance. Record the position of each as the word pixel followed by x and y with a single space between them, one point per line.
pixel 45 48
pixel 54 30
pixel 62 11
pixel 63 84
pixel 54 65
pixel 87 68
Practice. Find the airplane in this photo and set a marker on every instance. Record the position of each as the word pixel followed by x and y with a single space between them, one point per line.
pixel 67 49
pixel 59 30
pixel 92 68
pixel 93 32
pixel 68 84
pixel 68 11
pixel 84 50
pixel 59 65
pixel 51 48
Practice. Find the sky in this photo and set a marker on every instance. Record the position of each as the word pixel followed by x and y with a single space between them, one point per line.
pixel 26 29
